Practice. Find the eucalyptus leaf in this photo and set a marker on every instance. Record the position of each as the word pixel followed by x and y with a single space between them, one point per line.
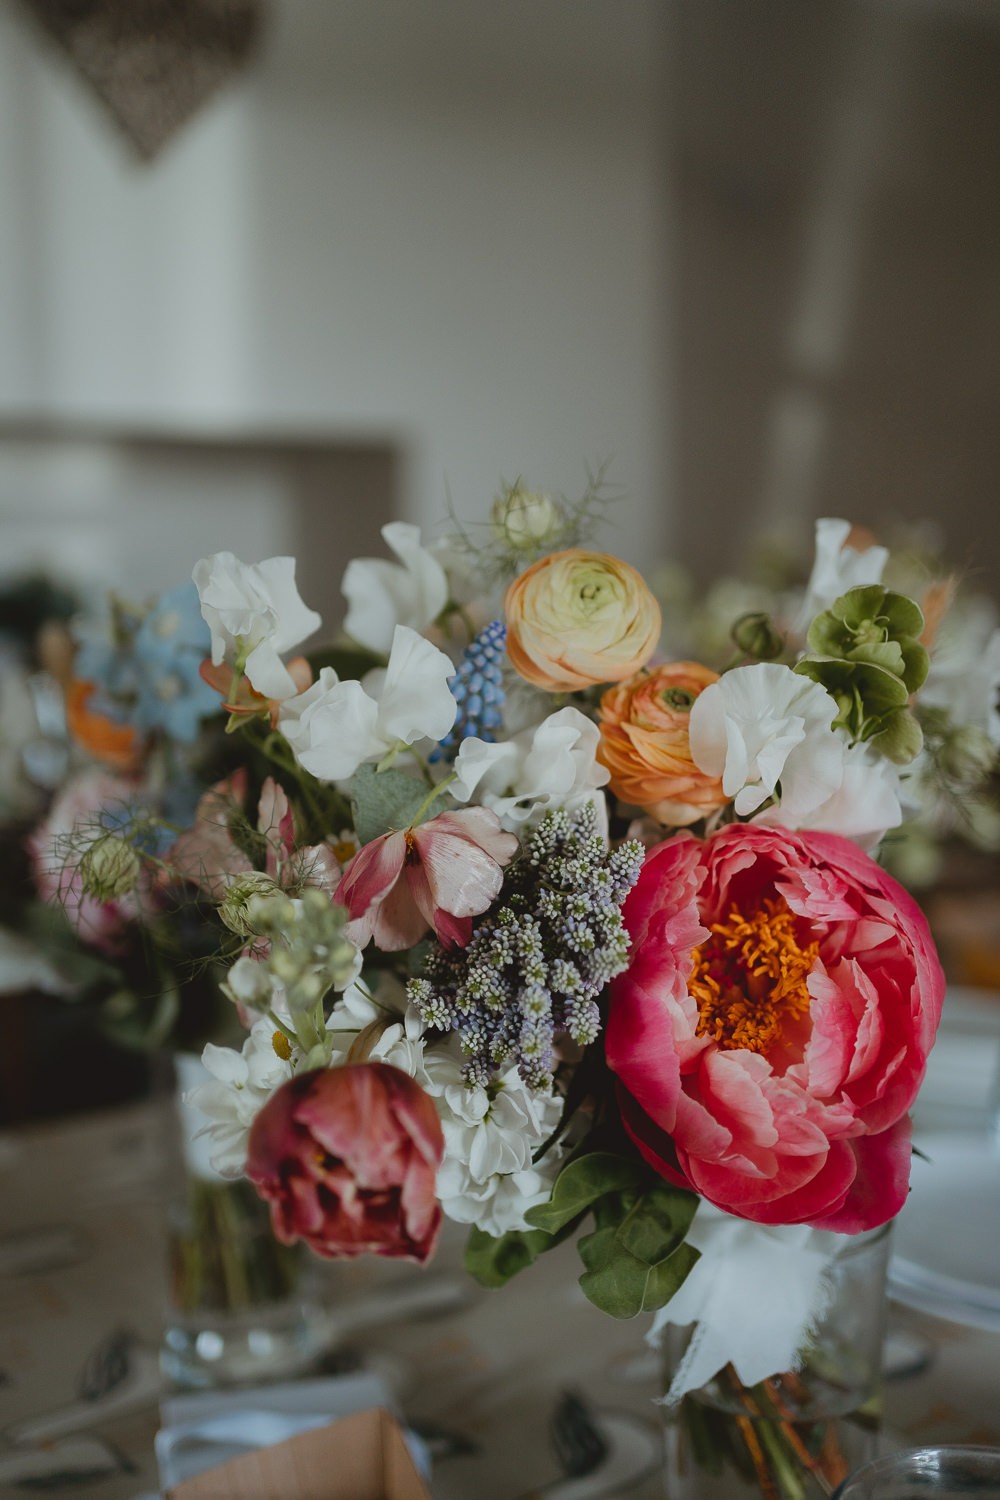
pixel 658 1223
pixel 384 801
pixel 614 1280
pixel 666 1277
pixel 493 1259
pixel 581 1184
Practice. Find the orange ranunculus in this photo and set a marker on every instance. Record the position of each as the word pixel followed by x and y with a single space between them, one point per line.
pixel 116 745
pixel 576 618
pixel 645 744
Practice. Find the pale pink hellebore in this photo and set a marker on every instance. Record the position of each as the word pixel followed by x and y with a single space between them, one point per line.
pixel 440 874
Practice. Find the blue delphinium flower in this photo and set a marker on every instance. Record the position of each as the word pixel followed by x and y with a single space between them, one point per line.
pixel 147 674
pixel 170 646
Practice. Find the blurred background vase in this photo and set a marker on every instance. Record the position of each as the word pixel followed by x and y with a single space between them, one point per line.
pixel 242 1308
pixel 796 1435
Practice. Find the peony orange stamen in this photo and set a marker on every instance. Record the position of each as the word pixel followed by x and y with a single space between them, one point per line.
pixel 749 977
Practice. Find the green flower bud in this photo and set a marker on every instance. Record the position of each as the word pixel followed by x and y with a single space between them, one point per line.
pixel 526 519
pixel 240 908
pixel 109 868
pixel 755 635
pixel 968 755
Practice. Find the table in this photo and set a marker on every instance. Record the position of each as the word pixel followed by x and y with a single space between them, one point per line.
pixel 82 1259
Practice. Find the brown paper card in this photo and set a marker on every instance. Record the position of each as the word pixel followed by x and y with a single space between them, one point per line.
pixel 363 1457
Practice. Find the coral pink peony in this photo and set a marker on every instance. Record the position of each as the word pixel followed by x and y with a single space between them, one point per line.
pixel 440 874
pixel 347 1158
pixel 773 1027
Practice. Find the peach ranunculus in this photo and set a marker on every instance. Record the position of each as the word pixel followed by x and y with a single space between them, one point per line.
pixel 577 618
pixel 645 744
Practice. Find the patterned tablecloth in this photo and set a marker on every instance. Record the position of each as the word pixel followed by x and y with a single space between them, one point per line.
pixel 82 1287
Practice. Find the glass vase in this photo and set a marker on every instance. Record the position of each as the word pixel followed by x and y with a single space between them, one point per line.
pixel 798 1434
pixel 241 1307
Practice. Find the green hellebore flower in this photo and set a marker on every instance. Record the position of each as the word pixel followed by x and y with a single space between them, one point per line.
pixel 865 651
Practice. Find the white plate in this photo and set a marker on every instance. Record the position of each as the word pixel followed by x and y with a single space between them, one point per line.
pixel 946 1253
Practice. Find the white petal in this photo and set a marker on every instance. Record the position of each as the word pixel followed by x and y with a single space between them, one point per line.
pixel 416 702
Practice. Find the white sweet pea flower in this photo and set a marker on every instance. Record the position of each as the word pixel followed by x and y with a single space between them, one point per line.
pixel 863 808
pixel 764 723
pixel 240 1086
pixel 254 613
pixel 334 727
pixel 382 595
pixel 553 764
pixel 964 675
pixel 837 568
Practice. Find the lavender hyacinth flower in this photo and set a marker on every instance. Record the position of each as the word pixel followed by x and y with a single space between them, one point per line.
pixel 537 963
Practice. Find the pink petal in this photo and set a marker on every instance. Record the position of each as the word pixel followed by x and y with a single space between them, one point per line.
pixel 371 872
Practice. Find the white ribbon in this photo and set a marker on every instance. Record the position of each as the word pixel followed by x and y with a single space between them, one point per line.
pixel 754 1296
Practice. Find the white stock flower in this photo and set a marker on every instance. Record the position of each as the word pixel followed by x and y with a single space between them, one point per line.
pixel 240 1086
pixel 552 764
pixel 837 568
pixel 382 594
pixel 487 1177
pixel 334 727
pixel 254 613
pixel 764 723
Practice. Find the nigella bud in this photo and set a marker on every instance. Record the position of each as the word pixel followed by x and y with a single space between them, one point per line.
pixel 968 755
pixel 236 908
pixel 526 519
pixel 109 868
pixel 755 635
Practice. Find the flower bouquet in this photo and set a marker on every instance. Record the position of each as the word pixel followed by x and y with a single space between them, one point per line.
pixel 121 939
pixel 549 934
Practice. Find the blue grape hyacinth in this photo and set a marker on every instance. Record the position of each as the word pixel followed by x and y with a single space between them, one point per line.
pixel 477 688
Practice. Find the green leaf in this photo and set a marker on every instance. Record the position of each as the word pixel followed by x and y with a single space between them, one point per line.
pixel 614 1280
pixel 383 801
pixel 580 1184
pixel 658 1223
pixel 493 1260
pixel 666 1277
pixel 621 1284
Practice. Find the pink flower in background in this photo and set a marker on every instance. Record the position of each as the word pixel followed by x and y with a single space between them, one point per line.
pixel 208 855
pixel 347 1158
pixel 773 1027
pixel 84 803
pixel 440 875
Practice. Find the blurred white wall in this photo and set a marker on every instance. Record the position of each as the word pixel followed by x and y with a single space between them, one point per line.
pixel 435 228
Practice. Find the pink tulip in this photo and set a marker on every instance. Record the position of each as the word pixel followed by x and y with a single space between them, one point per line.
pixel 440 875
pixel 773 1027
pixel 347 1158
